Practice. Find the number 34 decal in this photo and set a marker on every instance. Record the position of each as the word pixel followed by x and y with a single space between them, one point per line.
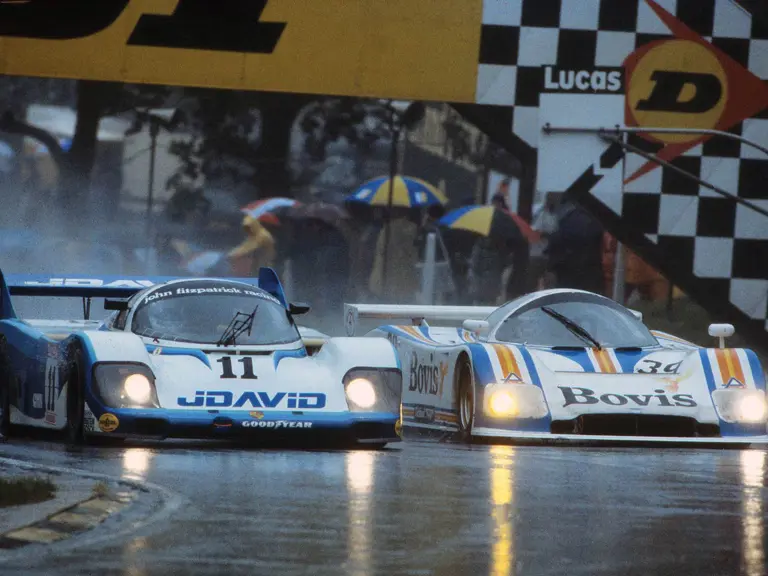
pixel 654 367
pixel 227 372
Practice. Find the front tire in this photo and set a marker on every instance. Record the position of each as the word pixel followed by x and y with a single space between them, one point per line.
pixel 465 388
pixel 5 390
pixel 5 408
pixel 75 401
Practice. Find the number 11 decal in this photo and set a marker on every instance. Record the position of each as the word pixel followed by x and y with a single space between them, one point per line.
pixel 227 372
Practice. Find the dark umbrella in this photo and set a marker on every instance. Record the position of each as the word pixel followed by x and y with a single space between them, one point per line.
pixel 323 212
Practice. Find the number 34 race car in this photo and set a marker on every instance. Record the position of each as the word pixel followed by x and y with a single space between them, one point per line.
pixel 568 366
pixel 194 358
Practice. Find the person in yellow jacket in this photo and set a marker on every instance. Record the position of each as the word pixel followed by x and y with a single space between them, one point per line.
pixel 257 250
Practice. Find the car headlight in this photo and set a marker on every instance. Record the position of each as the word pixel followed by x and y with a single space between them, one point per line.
pixel 751 409
pixel 138 388
pixel 740 406
pixel 373 390
pixel 361 392
pixel 125 385
pixel 502 403
pixel 514 401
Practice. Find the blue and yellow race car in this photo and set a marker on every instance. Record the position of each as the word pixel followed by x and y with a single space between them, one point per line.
pixel 568 366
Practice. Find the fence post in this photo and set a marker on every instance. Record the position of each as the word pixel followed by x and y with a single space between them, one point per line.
pixel 428 271
pixel 619 275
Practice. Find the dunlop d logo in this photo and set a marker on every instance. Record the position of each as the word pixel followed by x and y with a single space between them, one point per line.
pixel 678 83
pixel 686 82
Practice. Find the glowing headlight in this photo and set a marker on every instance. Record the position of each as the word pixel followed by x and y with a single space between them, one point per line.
pixel 502 403
pixel 751 409
pixel 138 388
pixel 519 401
pixel 119 385
pixel 361 392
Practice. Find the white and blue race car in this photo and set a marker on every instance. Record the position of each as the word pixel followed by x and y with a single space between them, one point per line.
pixel 568 366
pixel 190 358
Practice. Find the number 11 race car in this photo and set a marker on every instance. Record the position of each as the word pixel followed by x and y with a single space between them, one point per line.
pixel 190 358
pixel 568 366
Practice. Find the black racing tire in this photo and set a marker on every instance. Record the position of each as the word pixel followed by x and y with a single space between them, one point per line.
pixel 5 408
pixel 75 400
pixel 6 380
pixel 465 398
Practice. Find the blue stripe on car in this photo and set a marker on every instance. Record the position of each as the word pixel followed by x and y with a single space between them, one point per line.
pixel 757 371
pixel 280 354
pixel 199 354
pixel 531 365
pixel 481 362
pixel 629 359
pixel 579 356
pixel 706 366
pixel 179 419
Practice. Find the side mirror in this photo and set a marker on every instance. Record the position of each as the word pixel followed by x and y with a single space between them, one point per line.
pixel 298 308
pixel 479 327
pixel 116 305
pixel 721 332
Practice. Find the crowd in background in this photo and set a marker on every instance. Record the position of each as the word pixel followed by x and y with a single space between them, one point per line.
pixel 329 262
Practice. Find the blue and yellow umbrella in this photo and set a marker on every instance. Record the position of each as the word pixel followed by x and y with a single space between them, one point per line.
pixel 407 192
pixel 489 221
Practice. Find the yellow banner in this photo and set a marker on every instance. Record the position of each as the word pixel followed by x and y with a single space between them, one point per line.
pixel 406 49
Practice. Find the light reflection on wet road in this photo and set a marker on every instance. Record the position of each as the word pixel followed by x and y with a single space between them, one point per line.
pixel 425 508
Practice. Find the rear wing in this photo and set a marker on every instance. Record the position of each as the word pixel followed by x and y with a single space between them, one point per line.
pixel 80 287
pixel 119 287
pixel 414 314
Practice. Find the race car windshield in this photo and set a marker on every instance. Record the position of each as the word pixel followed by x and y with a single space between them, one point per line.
pixel 608 326
pixel 201 313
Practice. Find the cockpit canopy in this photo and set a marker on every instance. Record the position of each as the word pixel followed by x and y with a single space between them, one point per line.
pixel 536 322
pixel 200 312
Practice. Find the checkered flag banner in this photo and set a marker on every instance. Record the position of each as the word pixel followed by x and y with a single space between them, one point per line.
pixel 582 81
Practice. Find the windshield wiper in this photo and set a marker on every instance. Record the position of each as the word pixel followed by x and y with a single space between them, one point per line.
pixel 573 327
pixel 239 324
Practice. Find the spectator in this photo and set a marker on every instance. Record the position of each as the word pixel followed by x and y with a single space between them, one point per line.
pixel 501 196
pixel 575 250
pixel 545 223
pixel 642 279
pixel 520 263
pixel 257 250
pixel 429 224
pixel 610 246
pixel 486 268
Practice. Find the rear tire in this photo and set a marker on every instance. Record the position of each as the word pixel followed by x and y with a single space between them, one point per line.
pixel 75 401
pixel 465 389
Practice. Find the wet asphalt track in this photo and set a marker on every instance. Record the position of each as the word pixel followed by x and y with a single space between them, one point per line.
pixel 426 508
